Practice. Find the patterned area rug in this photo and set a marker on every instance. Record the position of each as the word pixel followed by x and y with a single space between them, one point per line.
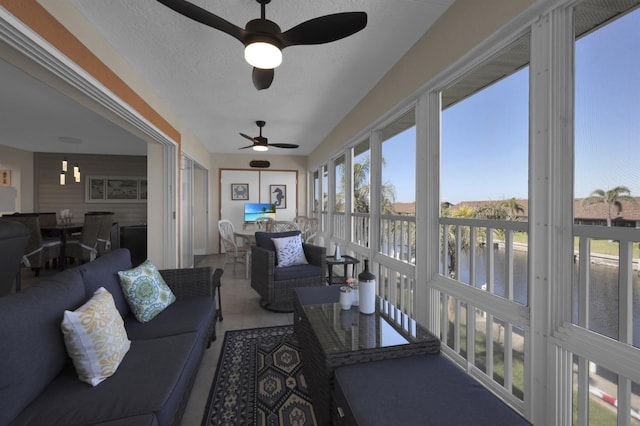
pixel 259 381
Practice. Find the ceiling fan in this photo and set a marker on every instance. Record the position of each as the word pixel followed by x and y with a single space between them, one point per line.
pixel 264 40
pixel 260 143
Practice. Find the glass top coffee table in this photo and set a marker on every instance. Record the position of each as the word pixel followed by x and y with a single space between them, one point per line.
pixel 330 337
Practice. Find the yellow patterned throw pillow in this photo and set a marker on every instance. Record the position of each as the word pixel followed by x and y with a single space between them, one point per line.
pixel 95 338
pixel 145 290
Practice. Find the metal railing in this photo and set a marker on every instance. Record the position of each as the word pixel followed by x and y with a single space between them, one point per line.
pixel 360 229
pixel 597 378
pixel 398 237
pixel 484 320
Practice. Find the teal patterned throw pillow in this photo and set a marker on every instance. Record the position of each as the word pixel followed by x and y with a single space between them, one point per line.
pixel 145 290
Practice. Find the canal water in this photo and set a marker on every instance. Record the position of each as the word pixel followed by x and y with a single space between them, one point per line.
pixel 603 289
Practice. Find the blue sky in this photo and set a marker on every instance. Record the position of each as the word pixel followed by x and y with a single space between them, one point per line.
pixel 485 138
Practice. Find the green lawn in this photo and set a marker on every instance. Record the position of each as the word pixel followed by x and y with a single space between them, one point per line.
pixel 599 413
pixel 597 246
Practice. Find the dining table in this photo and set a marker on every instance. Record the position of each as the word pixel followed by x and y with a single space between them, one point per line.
pixel 248 235
pixel 62 231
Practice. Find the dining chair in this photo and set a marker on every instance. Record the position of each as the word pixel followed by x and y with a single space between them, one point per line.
pixel 234 253
pixel 48 219
pixel 14 237
pixel 301 221
pixel 85 248
pixel 310 232
pixel 284 226
pixel 104 232
pixel 39 250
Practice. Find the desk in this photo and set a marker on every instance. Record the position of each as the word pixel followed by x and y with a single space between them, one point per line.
pixel 344 260
pixel 62 231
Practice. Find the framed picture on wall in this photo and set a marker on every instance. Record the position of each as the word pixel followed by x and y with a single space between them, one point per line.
pixel 278 196
pixel 5 177
pixel 109 189
pixel 239 191
pixel 95 187
pixel 122 189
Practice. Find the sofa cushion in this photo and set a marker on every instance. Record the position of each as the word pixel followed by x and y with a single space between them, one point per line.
pixel 289 251
pixel 152 380
pixel 297 271
pixel 95 338
pixel 425 389
pixel 32 350
pixel 103 272
pixel 146 291
pixel 184 316
pixel 318 295
pixel 144 420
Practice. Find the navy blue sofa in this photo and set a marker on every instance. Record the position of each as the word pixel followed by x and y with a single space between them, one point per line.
pixel 38 383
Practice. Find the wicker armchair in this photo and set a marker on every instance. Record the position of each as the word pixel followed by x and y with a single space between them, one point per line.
pixel 276 285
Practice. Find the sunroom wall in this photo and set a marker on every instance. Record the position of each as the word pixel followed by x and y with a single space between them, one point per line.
pixel 550 345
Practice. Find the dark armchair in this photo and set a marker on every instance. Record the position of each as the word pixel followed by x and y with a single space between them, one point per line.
pixel 276 284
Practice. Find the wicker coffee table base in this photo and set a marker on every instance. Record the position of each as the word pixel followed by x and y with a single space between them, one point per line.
pixel 318 367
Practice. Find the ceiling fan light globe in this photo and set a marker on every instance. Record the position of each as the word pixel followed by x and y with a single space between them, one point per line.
pixel 261 54
pixel 260 148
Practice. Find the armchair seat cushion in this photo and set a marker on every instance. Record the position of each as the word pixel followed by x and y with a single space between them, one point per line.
pixel 297 271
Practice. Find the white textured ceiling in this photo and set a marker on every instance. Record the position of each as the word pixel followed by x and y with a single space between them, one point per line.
pixel 36 117
pixel 200 72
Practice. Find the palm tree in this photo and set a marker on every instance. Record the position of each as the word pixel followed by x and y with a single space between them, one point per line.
pixel 513 208
pixel 361 189
pixel 361 186
pixel 611 198
pixel 465 234
pixel 494 210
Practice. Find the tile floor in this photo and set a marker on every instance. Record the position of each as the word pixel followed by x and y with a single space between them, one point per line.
pixel 240 309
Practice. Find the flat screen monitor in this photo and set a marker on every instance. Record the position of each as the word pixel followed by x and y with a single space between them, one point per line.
pixel 252 211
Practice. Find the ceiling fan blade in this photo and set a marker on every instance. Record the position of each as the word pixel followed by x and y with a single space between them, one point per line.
pixel 262 78
pixel 245 147
pixel 284 145
pixel 325 29
pixel 205 17
pixel 248 137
